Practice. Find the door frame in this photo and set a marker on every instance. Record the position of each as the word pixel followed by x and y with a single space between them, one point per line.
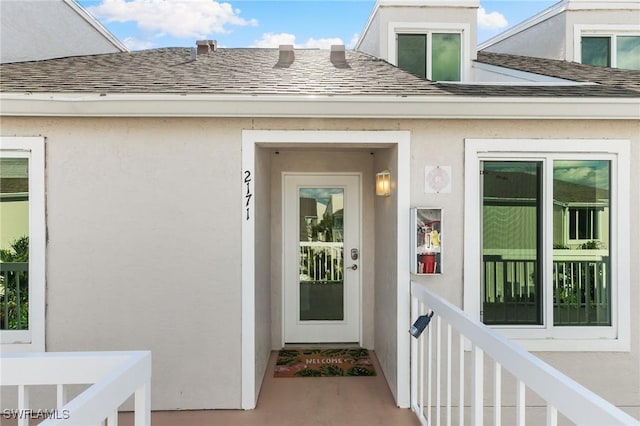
pixel 251 139
pixel 285 272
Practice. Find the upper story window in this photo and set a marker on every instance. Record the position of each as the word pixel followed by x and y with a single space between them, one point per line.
pixel 434 56
pixel 609 46
pixel 433 52
pixel 22 244
pixel 612 51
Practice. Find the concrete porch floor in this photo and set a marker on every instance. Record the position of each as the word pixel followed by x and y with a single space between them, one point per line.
pixel 321 401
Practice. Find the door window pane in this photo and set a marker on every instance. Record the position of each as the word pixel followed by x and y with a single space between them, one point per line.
pixel 581 271
pixel 321 253
pixel 445 57
pixel 511 242
pixel 412 53
pixel 628 52
pixel 596 51
pixel 14 243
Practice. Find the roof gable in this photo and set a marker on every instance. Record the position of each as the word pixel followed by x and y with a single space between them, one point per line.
pixel 35 30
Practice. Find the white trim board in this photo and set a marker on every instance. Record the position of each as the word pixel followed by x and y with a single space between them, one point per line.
pixel 314 106
pixel 32 340
pixel 253 138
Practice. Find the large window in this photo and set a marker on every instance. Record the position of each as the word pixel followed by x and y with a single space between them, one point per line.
pixel 22 244
pixel 431 52
pixel 434 56
pixel 513 244
pixel 610 50
pixel 552 239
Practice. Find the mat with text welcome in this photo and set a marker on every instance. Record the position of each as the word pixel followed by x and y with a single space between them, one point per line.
pixel 324 363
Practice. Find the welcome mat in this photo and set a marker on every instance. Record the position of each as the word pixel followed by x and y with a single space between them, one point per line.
pixel 324 363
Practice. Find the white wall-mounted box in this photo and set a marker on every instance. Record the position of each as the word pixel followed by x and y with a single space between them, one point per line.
pixel 426 244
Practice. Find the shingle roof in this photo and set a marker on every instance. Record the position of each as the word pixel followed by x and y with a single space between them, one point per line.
pixel 610 77
pixel 225 71
pixel 517 185
pixel 257 71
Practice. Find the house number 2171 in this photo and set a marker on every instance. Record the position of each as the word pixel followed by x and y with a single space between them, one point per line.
pixel 248 195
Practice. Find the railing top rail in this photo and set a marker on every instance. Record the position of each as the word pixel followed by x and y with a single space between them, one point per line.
pixel 61 367
pixel 98 400
pixel 580 405
pixel 320 244
pixel 114 377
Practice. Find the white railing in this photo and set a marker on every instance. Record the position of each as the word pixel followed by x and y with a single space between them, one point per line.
pixel 558 393
pixel 113 376
pixel 321 261
pixel 580 290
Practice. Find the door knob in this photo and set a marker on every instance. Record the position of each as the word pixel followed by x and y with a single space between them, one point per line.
pixel 353 267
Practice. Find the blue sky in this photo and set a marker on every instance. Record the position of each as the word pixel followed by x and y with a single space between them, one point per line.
pixel 143 24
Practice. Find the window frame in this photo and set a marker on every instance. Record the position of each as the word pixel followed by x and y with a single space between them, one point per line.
pixel 548 337
pixel 595 225
pixel 611 31
pixel 33 339
pixel 464 30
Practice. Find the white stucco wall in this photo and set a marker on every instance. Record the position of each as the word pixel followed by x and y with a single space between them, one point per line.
pixel 263 262
pixel 370 40
pixel 386 280
pixel 144 220
pixel 61 32
pixel 548 39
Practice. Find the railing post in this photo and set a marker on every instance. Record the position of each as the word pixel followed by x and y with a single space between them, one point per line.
pixel 461 380
pixel 552 415
pixel 497 394
pixel 23 405
pixel 142 405
pixel 61 396
pixel 438 370
pixel 520 403
pixel 477 381
pixel 449 350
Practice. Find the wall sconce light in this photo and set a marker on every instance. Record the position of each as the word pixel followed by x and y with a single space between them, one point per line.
pixel 383 183
pixel 421 323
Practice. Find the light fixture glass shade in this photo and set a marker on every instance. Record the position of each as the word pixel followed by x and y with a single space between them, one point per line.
pixel 383 183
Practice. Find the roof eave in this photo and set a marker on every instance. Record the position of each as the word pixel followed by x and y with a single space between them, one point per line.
pixel 317 106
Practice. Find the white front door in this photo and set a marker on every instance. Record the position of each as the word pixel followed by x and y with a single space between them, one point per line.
pixel 321 258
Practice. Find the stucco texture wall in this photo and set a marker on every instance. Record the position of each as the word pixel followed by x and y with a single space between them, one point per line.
pixel 144 222
pixel 142 252
pixel 545 40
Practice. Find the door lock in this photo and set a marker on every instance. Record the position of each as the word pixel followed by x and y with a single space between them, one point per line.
pixel 354 254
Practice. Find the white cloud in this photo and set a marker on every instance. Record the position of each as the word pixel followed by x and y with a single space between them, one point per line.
pixel 321 43
pixel 491 21
pixel 133 43
pixel 178 18
pixel 589 173
pixel 353 41
pixel 274 40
